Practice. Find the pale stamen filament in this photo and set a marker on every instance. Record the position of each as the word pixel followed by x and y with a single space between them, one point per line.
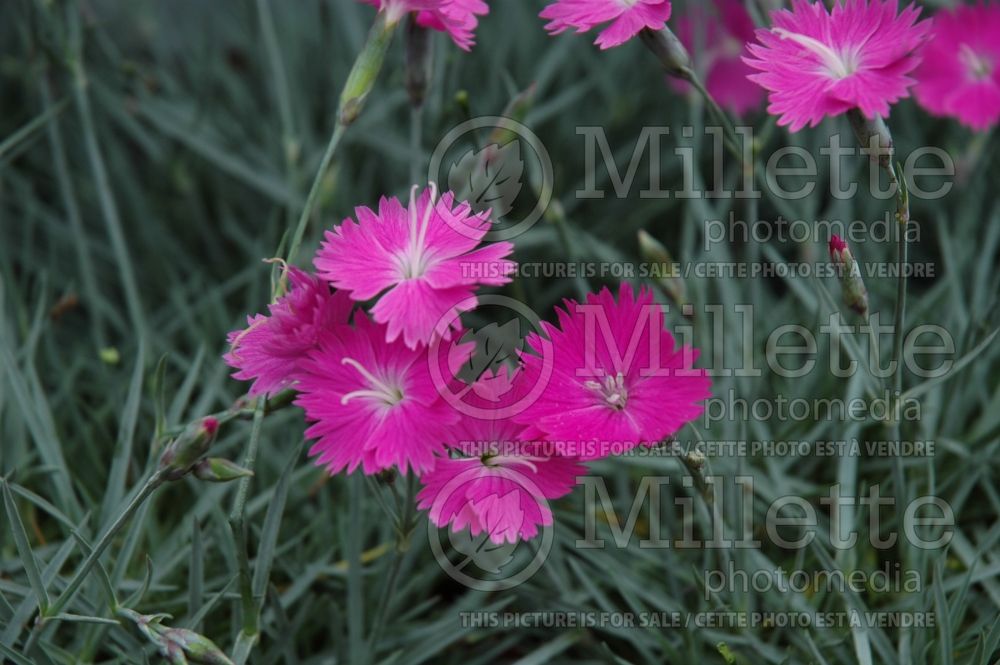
pixel 509 460
pixel 978 66
pixel 840 65
pixel 613 390
pixel 413 263
pixel 377 390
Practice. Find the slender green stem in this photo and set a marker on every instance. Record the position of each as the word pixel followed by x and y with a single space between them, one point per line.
pixel 289 144
pixel 403 529
pixel 317 185
pixel 731 138
pixel 237 523
pixel 902 249
pixel 899 321
pixel 416 134
pixel 150 486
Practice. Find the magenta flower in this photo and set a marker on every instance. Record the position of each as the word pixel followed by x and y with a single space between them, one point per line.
pixel 727 29
pixel 372 403
pixel 271 350
pixel 458 18
pixel 816 63
pixel 617 380
pixel 627 17
pixel 498 482
pixel 960 72
pixel 422 259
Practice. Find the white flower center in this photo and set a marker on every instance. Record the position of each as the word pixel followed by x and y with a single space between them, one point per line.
pixel 612 390
pixel 839 64
pixel 413 261
pixel 979 66
pixel 383 393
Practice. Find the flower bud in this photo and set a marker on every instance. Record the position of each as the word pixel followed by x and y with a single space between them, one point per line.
pixel 365 71
pixel 515 111
pixel 218 470
pixel 652 250
pixel 188 447
pixel 177 645
pixel 873 137
pixel 197 648
pixel 669 50
pixel 855 294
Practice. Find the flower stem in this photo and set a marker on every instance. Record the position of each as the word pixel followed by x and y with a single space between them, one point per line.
pixel 237 524
pixel 403 532
pixel 899 320
pixel 359 85
pixel 150 486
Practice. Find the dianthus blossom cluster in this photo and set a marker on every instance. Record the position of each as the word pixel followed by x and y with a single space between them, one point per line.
pixel 373 346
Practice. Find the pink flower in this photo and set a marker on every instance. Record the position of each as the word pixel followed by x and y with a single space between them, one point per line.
pixel 498 482
pixel 726 31
pixel 271 350
pixel 617 380
pixel 423 260
pixel 960 72
pixel 816 63
pixel 372 403
pixel 458 18
pixel 628 18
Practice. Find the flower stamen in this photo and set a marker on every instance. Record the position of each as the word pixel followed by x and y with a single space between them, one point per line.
pixel 612 391
pixel 377 390
pixel 839 64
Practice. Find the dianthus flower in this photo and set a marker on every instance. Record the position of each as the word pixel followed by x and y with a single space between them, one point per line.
pixel 816 63
pixel 270 351
pixel 617 379
pixel 627 18
pixel 372 403
pixel 422 259
pixel 495 481
pixel 458 18
pixel 726 32
pixel 960 72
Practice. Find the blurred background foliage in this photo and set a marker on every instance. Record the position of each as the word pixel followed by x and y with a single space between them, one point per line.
pixel 153 152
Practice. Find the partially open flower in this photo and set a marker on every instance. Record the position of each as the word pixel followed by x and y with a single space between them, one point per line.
pixel 855 294
pixel 271 349
pixel 189 446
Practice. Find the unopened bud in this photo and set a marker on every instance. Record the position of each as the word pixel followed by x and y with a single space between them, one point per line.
pixel 218 470
pixel 365 71
pixel 669 50
pixel 652 250
pixel 197 648
pixel 177 645
pixel 855 294
pixel 184 451
pixel 516 110
pixel 418 61
pixel 873 136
